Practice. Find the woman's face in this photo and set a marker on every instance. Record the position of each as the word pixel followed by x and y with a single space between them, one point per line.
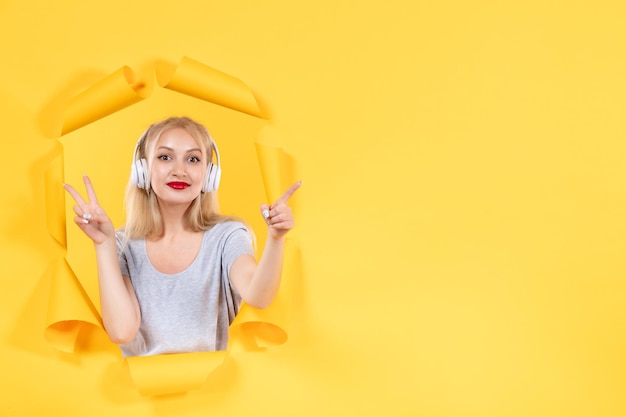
pixel 177 167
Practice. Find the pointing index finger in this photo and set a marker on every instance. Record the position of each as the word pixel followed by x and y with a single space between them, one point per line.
pixel 287 195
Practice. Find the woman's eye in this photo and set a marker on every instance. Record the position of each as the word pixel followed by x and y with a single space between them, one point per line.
pixel 194 159
pixel 163 157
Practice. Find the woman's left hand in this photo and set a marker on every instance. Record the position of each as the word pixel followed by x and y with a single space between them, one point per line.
pixel 278 216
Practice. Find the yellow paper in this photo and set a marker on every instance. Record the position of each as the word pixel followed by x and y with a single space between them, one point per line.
pixel 55 199
pixel 69 309
pixel 462 225
pixel 115 92
pixel 174 373
pixel 262 328
pixel 201 81
pixel 273 162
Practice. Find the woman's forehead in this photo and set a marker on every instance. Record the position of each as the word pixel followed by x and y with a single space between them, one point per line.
pixel 179 139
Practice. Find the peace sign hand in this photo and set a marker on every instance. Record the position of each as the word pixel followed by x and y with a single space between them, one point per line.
pixel 90 217
pixel 278 216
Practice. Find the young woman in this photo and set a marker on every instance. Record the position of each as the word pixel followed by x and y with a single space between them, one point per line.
pixel 173 277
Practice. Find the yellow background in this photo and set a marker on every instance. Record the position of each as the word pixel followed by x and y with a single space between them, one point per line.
pixel 461 219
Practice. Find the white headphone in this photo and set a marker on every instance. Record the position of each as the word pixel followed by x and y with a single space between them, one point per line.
pixel 139 169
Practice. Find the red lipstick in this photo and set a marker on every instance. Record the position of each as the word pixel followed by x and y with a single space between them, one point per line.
pixel 177 185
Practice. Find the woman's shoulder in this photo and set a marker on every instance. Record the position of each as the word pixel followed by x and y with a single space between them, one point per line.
pixel 120 235
pixel 232 237
pixel 228 226
pixel 123 242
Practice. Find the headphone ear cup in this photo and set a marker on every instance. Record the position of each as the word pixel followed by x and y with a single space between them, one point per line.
pixel 212 178
pixel 139 174
pixel 139 168
pixel 218 176
pixel 134 177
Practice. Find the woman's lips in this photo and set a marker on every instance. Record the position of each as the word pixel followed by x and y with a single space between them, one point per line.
pixel 178 185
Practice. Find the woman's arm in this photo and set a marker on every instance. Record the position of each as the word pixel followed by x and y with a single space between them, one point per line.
pixel 259 284
pixel 120 309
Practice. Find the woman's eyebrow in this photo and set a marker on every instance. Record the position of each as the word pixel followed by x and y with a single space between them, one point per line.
pixel 167 148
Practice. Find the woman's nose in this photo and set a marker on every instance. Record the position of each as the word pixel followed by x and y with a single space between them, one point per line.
pixel 179 169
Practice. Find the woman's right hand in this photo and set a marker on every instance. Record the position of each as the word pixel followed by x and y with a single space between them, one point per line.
pixel 90 217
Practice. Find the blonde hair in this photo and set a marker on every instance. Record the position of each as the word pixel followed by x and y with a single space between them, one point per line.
pixel 143 216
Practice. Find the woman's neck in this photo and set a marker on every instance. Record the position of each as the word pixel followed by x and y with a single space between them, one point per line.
pixel 174 221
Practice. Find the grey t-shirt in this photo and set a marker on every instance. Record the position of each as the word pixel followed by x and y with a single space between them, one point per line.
pixel 189 311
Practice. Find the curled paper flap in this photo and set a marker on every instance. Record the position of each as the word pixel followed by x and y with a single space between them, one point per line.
pixel 69 308
pixel 173 373
pixel 275 169
pixel 201 81
pixel 115 92
pixel 260 328
pixel 257 328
